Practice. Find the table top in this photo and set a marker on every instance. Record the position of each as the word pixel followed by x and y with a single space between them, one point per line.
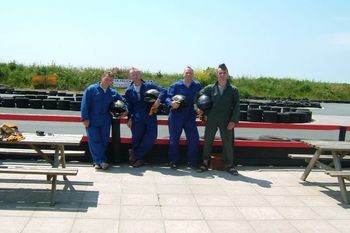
pixel 54 139
pixel 329 145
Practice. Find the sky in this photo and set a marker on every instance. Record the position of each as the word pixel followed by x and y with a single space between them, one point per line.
pixel 301 39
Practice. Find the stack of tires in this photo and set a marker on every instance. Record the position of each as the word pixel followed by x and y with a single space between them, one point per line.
pixel 255 112
pixel 51 100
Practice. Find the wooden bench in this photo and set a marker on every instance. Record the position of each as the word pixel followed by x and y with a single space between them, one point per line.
pixel 53 172
pixel 32 152
pixel 318 163
pixel 341 175
pixel 309 156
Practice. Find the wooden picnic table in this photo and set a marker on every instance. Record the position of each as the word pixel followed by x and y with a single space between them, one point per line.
pixel 36 142
pixel 56 141
pixel 338 149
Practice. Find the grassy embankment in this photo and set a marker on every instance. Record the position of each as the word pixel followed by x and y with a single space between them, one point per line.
pixel 77 79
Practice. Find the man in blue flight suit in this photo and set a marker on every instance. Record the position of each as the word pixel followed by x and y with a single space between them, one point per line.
pixel 142 119
pixel 182 116
pixel 96 118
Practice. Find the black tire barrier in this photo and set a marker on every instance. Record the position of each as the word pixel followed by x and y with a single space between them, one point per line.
pixel 243 115
pixel 285 109
pixel 63 105
pixel 303 117
pixel 78 98
pixel 307 112
pixel 9 91
pixel 41 97
pixel 75 105
pixel 294 117
pixel 60 93
pixel 275 108
pixel 22 102
pixel 42 93
pixel 243 107
pixel 265 107
pixel 54 98
pixel 52 92
pixel 50 104
pixel 3 90
pixel 253 105
pixel 69 94
pixel 22 92
pixel 36 103
pixel 254 114
pixel 30 96
pixel 78 94
pixel 283 117
pixel 69 98
pixel 270 116
pixel 8 102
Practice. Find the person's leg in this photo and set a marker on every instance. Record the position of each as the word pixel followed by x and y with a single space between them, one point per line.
pixel 148 139
pixel 175 130
pixel 209 136
pixel 227 137
pixel 192 137
pixel 227 140
pixel 96 144
pixel 138 131
pixel 105 135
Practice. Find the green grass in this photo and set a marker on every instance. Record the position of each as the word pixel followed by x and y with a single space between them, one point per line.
pixel 77 79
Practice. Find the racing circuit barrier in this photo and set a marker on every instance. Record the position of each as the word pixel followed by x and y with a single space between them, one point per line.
pixel 242 146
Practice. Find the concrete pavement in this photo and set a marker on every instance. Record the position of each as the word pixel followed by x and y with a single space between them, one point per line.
pixel 157 199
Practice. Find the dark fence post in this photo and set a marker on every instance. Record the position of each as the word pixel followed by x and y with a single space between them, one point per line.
pixel 342 133
pixel 116 156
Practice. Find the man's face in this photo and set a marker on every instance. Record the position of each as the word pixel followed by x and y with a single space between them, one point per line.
pixel 135 75
pixel 188 73
pixel 107 79
pixel 222 74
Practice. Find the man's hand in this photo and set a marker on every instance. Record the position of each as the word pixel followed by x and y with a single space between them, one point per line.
pixel 231 125
pixel 156 104
pixel 86 123
pixel 175 104
pixel 129 123
pixel 200 112
pixel 124 114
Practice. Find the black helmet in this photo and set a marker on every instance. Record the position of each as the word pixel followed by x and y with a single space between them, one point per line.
pixel 181 99
pixel 204 102
pixel 117 108
pixel 151 96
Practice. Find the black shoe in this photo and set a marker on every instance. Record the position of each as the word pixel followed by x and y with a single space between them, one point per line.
pixel 202 168
pixel 173 165
pixel 232 171
pixel 191 166
pixel 138 163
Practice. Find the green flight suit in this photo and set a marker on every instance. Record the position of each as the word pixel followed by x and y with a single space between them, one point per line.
pixel 225 108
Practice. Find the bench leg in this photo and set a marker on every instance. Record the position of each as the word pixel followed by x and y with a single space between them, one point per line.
pixel 343 192
pixel 63 159
pixel 311 165
pixel 341 180
pixel 53 190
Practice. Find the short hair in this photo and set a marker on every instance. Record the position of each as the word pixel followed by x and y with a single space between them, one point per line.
pixel 223 67
pixel 133 69
pixel 188 68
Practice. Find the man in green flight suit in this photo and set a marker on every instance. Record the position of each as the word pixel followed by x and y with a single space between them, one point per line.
pixel 223 114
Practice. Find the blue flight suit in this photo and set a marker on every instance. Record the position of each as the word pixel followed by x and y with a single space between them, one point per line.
pixel 95 108
pixel 144 127
pixel 183 119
